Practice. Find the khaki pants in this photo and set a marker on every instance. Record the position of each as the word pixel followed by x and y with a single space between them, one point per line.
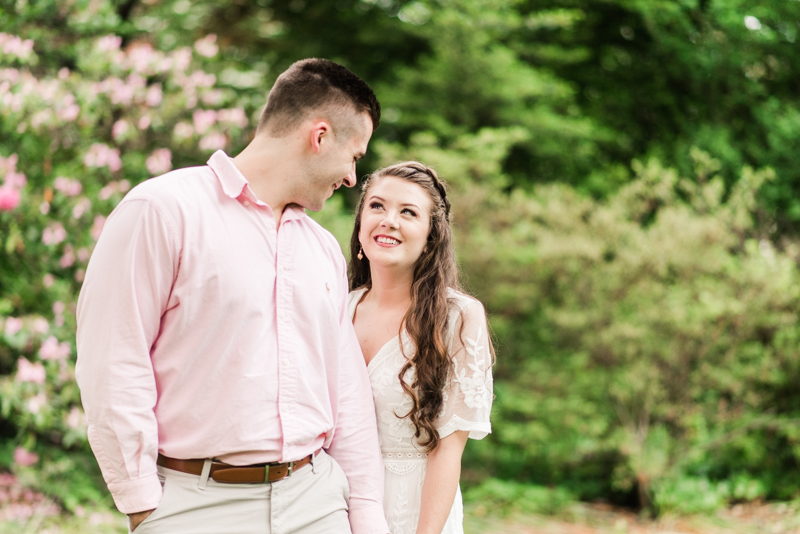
pixel 313 500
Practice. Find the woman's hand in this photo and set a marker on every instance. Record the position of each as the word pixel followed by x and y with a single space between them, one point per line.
pixel 441 482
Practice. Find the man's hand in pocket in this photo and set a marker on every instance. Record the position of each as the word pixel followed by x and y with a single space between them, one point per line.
pixel 137 518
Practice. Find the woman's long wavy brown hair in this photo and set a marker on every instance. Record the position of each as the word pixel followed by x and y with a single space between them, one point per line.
pixel 426 320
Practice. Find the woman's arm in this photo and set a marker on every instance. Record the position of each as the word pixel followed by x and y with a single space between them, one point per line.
pixel 441 481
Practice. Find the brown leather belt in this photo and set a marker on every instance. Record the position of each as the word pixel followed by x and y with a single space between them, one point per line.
pixel 234 474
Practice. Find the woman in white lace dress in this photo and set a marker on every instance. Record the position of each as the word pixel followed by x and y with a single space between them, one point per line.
pixel 425 342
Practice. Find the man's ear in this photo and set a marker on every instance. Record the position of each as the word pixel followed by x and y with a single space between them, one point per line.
pixel 320 133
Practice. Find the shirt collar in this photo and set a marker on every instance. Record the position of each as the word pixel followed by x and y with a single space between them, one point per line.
pixel 230 178
pixel 234 183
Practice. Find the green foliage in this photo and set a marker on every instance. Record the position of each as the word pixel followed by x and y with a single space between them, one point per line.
pixel 625 185
pixel 691 496
pixel 73 478
pixel 506 498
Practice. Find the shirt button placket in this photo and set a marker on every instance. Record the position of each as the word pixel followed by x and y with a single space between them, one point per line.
pixel 287 387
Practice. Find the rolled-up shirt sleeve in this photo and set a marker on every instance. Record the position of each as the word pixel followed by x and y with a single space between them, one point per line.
pixel 355 443
pixel 124 295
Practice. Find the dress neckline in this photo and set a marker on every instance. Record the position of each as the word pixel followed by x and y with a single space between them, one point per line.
pixel 395 340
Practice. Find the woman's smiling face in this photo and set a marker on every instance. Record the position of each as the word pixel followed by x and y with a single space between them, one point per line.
pixel 395 222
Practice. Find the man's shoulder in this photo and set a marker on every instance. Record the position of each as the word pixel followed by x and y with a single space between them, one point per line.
pixel 325 237
pixel 172 185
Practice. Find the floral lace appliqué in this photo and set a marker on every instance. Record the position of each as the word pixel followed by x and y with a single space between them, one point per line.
pixel 473 387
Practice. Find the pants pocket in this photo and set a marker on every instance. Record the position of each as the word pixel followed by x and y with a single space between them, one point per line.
pixel 338 474
pixel 165 484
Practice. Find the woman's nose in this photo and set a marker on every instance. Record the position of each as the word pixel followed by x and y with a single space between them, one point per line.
pixel 390 219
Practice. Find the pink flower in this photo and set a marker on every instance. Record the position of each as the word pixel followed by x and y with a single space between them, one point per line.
pixel 43 117
pixel 144 122
pixel 212 97
pixel 9 198
pixel 97 227
pixel 101 155
pixel 9 167
pixel 207 46
pixel 107 190
pixel 234 116
pixel 51 349
pixel 59 307
pixel 109 43
pixel 68 258
pixel 183 130
pixel 67 187
pixel 40 324
pixel 203 120
pixel 15 180
pixel 30 372
pixel 54 234
pixel 69 113
pixel 202 79
pixel 36 403
pixel 122 93
pixel 119 129
pixel 142 56
pixel 83 206
pixel 182 58
pixel 14 46
pixel 25 458
pixel 48 280
pixel 13 325
pixel 76 418
pixel 160 161
pixel 154 95
pixel 213 141
pixel 83 254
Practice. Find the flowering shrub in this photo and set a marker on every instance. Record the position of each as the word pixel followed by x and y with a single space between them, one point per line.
pixel 72 143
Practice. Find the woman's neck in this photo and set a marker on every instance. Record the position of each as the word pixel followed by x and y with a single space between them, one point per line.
pixel 390 288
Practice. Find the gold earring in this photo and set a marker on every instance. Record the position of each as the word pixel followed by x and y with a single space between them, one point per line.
pixel 360 253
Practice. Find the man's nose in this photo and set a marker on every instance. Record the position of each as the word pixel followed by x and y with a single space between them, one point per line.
pixel 350 180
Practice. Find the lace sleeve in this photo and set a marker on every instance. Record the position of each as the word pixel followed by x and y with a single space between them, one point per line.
pixel 468 394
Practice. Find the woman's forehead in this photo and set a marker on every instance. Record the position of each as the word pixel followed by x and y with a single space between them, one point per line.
pixel 400 190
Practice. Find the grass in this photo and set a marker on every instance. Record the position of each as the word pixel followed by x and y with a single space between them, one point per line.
pixel 752 518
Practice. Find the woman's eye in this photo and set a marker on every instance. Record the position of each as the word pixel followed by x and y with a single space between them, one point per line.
pixel 375 205
pixel 410 212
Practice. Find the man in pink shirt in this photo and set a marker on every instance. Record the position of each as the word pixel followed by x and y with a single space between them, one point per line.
pixel 221 377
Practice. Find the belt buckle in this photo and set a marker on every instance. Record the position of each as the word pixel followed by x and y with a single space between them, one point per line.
pixel 266 471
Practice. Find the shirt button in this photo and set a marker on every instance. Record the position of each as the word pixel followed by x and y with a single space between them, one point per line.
pixel 246 203
pixel 284 315
pixel 285 361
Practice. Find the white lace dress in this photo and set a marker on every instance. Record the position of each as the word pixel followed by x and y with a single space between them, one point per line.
pixel 468 401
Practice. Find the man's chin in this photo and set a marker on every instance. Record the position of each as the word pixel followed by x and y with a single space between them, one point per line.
pixel 315 206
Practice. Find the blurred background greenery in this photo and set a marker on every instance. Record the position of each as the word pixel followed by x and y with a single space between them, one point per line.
pixel 625 179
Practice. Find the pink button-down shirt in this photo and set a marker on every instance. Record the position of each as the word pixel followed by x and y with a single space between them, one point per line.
pixel 204 331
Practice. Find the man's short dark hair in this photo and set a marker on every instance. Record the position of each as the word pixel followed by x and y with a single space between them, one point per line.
pixel 311 84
